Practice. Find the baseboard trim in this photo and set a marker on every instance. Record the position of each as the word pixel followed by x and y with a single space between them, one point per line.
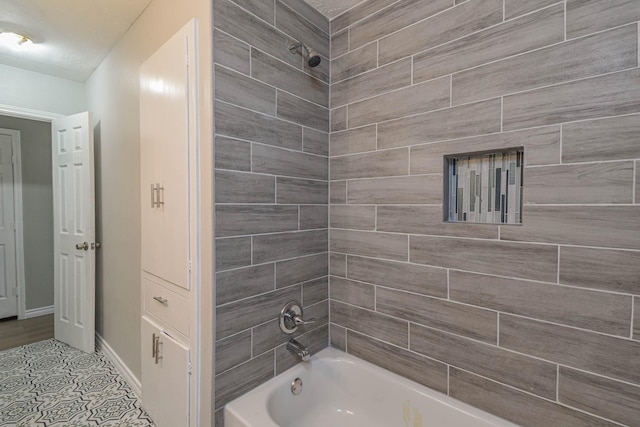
pixel 122 368
pixel 36 312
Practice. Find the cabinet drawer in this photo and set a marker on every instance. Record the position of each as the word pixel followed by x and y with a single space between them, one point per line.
pixel 166 305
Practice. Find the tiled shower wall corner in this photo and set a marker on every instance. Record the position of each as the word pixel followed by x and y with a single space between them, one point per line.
pixel 534 323
pixel 271 187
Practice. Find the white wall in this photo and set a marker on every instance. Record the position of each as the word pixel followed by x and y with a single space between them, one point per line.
pixel 112 94
pixel 37 91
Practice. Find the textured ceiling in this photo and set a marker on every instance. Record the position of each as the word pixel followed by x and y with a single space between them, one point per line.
pixel 332 8
pixel 73 36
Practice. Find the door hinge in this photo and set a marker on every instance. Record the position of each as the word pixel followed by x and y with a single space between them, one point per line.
pixel 190 368
pixel 189 265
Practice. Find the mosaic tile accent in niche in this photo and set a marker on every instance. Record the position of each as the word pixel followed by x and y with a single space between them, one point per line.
pixel 485 187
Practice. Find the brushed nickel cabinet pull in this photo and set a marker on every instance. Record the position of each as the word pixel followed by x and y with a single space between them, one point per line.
pixel 161 300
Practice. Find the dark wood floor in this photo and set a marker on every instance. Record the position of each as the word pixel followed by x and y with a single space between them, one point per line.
pixel 14 333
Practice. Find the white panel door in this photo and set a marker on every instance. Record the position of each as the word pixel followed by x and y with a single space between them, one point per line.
pixel 8 280
pixel 74 231
pixel 167 96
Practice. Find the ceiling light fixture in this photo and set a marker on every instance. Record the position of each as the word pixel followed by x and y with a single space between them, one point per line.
pixel 14 40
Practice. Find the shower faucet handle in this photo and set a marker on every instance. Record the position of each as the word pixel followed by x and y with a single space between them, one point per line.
pixel 291 317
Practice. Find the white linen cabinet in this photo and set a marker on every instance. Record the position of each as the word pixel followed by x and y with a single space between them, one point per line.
pixel 168 141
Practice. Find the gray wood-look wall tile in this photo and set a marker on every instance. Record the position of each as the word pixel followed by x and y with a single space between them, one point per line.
pixel 579 184
pixel 541 147
pixel 515 8
pixel 601 53
pixel 611 399
pixel 597 311
pixel 238 220
pixel 314 216
pixel 301 269
pixel 338 264
pixel 315 291
pixel 452 24
pixel 232 351
pixel 238 89
pixel 339 44
pixel 410 365
pixel 396 275
pixel 355 62
pixel 579 225
pixel 589 16
pixel 263 10
pixel 338 337
pixel 637 195
pixel 244 26
pixel 418 189
pixel 237 381
pixel 276 247
pixel 338 192
pixel 299 191
pixel 636 318
pixel 609 270
pixel 438 313
pixel 358 12
pixel 603 139
pixel 353 217
pixel 245 282
pixel 351 292
pixel 522 260
pixel 451 123
pixel 353 141
pixel 233 253
pixel 600 354
pixel 371 165
pixel 309 13
pixel 315 142
pixel 520 35
pixel 303 112
pixel 272 71
pixel 316 340
pixel 513 405
pixel 338 118
pixel 302 30
pixel 608 95
pixel 232 154
pixel 393 18
pixel 374 324
pixel 428 96
pixel 376 82
pixel 239 123
pixel 366 243
pixel 255 311
pixel 237 187
pixel 231 52
pixel 276 161
pixel 526 373
pixel 428 220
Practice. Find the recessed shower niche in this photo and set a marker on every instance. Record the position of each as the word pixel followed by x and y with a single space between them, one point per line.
pixel 484 187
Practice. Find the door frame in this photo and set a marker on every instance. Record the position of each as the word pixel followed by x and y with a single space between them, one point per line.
pixel 41 116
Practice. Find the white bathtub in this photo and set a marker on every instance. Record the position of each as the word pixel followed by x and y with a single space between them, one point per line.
pixel 342 390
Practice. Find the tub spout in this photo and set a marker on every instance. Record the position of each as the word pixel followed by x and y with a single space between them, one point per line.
pixel 299 349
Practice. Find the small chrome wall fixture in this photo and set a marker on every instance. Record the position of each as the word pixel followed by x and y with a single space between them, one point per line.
pixel 291 317
pixel 312 57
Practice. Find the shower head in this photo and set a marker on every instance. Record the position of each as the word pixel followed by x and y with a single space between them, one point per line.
pixel 312 57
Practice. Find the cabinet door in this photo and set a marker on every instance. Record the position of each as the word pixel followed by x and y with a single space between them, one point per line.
pixel 166 134
pixel 165 377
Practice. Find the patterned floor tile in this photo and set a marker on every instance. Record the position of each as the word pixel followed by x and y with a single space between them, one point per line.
pixel 49 384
